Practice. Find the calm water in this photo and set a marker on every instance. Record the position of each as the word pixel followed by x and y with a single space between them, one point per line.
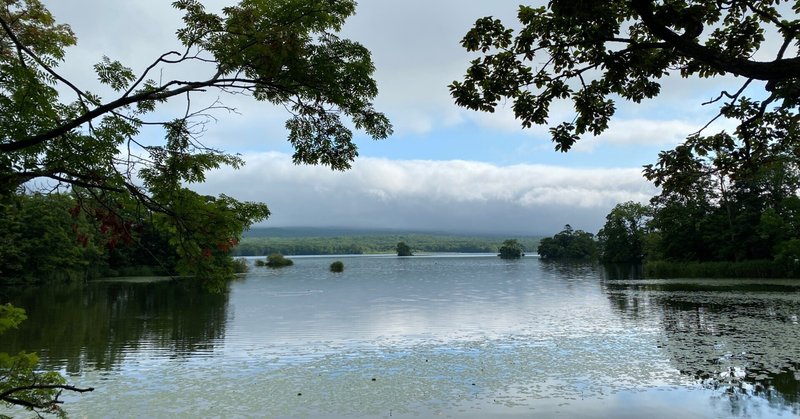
pixel 443 335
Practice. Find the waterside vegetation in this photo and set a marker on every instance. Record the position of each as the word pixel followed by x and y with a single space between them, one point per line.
pixel 511 249
pixel 287 241
pixel 568 244
pixel 729 194
pixel 403 249
pixel 277 260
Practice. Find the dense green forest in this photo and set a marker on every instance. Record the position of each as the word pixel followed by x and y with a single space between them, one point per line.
pixel 57 237
pixel 310 241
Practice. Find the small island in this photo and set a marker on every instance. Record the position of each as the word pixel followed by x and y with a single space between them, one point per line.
pixel 568 244
pixel 403 249
pixel 511 249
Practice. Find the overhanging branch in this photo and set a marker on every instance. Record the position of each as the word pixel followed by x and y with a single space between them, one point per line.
pixel 157 94
pixel 780 69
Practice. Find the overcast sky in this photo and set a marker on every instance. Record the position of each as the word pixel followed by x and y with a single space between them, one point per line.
pixel 445 168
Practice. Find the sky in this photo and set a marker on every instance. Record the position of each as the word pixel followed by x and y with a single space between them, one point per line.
pixel 445 168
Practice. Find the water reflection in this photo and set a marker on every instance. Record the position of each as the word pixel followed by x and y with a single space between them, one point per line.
pixel 623 270
pixel 440 335
pixel 94 326
pixel 740 337
pixel 569 269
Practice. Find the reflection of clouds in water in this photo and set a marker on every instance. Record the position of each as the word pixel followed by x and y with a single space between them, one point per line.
pixel 455 336
pixel 511 376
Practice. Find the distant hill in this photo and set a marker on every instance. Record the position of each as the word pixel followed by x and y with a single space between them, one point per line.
pixel 320 241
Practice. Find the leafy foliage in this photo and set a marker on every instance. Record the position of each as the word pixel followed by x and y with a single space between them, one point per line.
pixel 337 266
pixel 568 244
pixel 41 240
pixel 240 266
pixel 595 53
pixel 727 198
pixel 283 52
pixel 622 238
pixel 403 249
pixel 59 237
pixel 277 260
pixel 511 249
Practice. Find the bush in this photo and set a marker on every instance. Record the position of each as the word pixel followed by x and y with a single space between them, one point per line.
pixel 239 266
pixel 511 249
pixel 260 262
pixel 276 260
pixel 403 249
pixel 337 266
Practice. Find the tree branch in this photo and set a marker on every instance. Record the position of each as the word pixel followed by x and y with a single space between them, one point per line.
pixel 147 70
pixel 158 94
pixel 21 47
pixel 13 390
pixel 779 69
pixel 6 396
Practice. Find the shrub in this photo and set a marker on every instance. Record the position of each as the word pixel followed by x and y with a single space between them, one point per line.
pixel 403 249
pixel 260 262
pixel 337 266
pixel 276 260
pixel 239 266
pixel 511 249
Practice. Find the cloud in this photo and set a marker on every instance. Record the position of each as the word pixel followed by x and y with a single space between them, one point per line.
pixel 641 132
pixel 462 196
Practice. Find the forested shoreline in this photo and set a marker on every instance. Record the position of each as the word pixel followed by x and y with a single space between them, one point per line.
pixel 60 238
pixel 342 241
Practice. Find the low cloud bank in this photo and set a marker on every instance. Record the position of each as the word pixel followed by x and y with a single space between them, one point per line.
pixel 452 196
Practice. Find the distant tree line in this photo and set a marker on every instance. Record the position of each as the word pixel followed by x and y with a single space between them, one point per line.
pixel 370 244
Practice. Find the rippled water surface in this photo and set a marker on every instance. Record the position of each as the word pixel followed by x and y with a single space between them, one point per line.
pixel 441 335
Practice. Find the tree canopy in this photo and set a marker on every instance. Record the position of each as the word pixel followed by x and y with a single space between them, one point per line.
pixel 568 244
pixel 511 249
pixel 596 53
pixel 58 135
pixel 622 238
pixel 403 249
pixel 725 196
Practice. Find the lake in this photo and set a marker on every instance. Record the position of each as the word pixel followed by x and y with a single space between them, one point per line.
pixel 463 336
